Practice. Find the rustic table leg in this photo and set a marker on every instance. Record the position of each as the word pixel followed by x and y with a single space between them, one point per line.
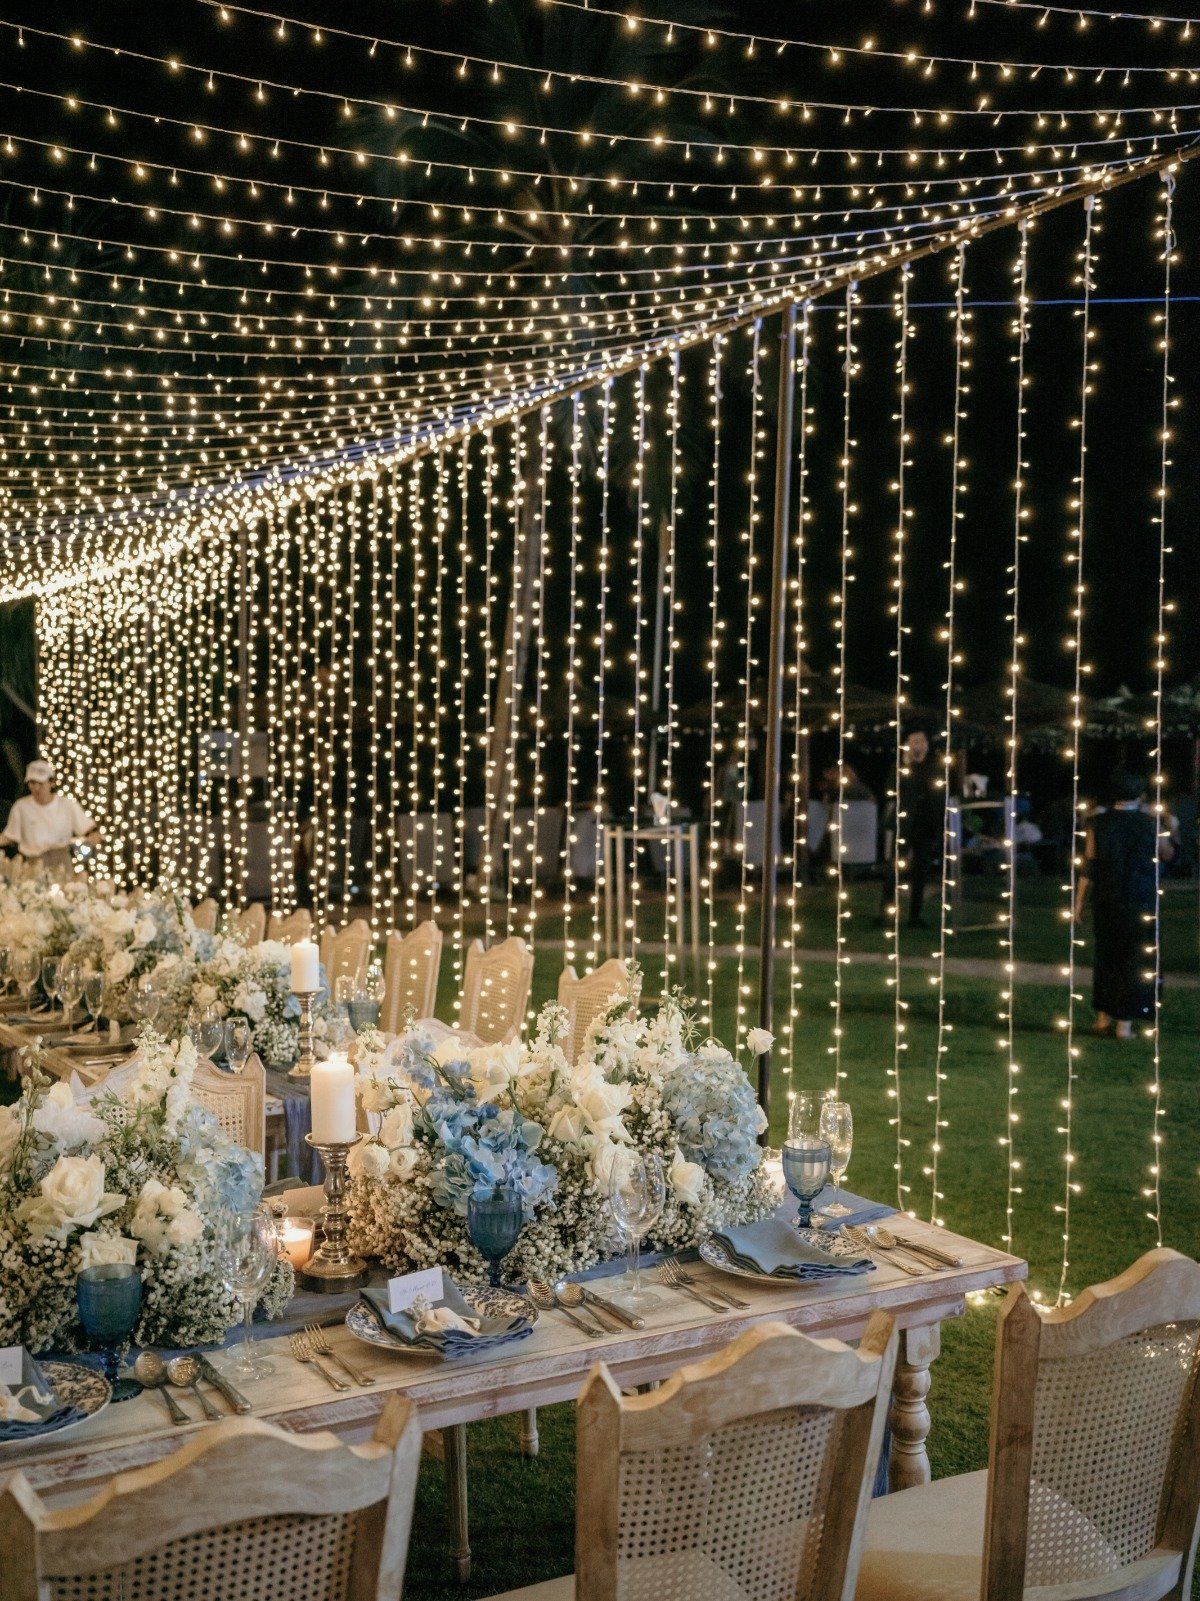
pixel 528 1434
pixel 909 1414
pixel 454 1442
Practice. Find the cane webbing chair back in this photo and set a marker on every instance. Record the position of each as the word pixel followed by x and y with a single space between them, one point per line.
pixel 236 1100
pixel 496 990
pixel 250 923
pixel 588 998
pixel 204 915
pixel 292 929
pixel 1094 1481
pixel 347 954
pixel 410 974
pixel 243 1512
pixel 744 1478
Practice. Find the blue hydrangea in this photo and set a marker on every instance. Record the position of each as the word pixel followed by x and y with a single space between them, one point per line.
pixel 226 1176
pixel 485 1146
pixel 716 1115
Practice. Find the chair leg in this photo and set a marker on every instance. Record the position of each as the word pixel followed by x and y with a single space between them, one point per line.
pixel 529 1432
pixel 454 1444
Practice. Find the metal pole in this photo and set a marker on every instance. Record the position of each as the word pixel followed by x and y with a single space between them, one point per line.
pixel 771 758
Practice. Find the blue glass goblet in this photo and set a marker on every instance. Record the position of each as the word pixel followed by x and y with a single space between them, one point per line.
pixel 806 1169
pixel 494 1222
pixel 110 1298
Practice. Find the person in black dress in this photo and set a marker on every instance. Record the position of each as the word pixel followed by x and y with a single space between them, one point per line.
pixel 1118 861
pixel 920 826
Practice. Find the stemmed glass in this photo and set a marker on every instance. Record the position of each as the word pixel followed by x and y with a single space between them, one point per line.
pixel 5 962
pixel 50 975
pixel 70 987
pixel 494 1222
pixel 247 1248
pixel 94 997
pixel 837 1126
pixel 802 1115
pixel 806 1169
pixel 207 1028
pixel 25 970
pixel 637 1193
pixel 145 1001
pixel 237 1043
pixel 110 1297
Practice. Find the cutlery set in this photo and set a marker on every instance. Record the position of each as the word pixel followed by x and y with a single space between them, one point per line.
pixel 185 1373
pixel 312 1348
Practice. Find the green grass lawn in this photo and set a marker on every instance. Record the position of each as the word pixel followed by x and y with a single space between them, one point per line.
pixel 522 1512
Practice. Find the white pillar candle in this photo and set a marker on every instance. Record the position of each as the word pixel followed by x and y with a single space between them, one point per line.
pixel 306 966
pixel 331 1090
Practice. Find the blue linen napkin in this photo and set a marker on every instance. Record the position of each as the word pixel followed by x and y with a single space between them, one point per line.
pixel 35 1394
pixel 861 1210
pixel 451 1343
pixel 773 1247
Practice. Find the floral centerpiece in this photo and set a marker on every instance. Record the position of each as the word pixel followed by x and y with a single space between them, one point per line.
pixel 135 1174
pixel 39 916
pixel 454 1122
pixel 127 941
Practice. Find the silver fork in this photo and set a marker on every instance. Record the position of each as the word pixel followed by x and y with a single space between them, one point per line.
pixel 303 1352
pixel 321 1347
pixel 668 1274
pixel 718 1290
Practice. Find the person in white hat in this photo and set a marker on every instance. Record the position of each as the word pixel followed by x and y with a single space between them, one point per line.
pixel 45 822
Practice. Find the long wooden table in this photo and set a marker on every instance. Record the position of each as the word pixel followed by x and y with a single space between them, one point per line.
pixel 550 1367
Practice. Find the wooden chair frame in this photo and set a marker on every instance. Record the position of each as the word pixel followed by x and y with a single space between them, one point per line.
pixel 766 1369
pixel 479 962
pixel 293 928
pixel 585 998
pixel 247 1088
pixel 1161 1287
pixel 346 952
pixel 421 947
pixel 251 923
pixel 204 915
pixel 229 1473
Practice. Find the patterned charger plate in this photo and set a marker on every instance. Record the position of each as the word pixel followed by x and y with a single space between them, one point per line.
pixel 834 1244
pixel 76 1386
pixel 481 1298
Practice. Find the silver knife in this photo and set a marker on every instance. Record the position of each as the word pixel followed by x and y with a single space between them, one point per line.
pixel 931 1251
pixel 218 1381
pixel 629 1319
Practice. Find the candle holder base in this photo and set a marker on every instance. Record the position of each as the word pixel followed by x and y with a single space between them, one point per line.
pixel 332 1269
pixel 332 1278
pixel 304 1062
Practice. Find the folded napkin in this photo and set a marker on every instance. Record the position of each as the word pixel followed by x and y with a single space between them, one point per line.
pixel 861 1210
pixel 452 1343
pixel 31 1406
pixel 773 1247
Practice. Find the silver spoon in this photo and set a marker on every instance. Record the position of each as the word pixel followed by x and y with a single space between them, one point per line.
pixel 869 1236
pixel 183 1372
pixel 544 1299
pixel 151 1373
pixel 916 1248
pixel 570 1296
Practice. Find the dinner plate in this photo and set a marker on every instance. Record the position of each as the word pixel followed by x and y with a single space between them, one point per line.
pixel 481 1298
pixel 712 1253
pixel 76 1386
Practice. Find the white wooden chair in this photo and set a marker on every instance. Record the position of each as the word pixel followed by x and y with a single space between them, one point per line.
pixel 250 923
pixel 204 915
pixel 346 954
pixel 236 1100
pixel 1093 1482
pixel 292 929
pixel 587 998
pixel 496 990
pixel 410 974
pixel 746 1477
pixel 242 1512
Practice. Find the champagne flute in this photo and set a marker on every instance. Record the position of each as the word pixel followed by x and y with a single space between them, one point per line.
pixel 5 965
pixel 802 1115
pixel 637 1192
pixel 50 975
pixel 70 987
pixel 837 1125
pixel 26 968
pixel 94 998
pixel 247 1248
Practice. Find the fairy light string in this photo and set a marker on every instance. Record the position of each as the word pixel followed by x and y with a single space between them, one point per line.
pixel 600 885
pixel 799 852
pixel 716 743
pixel 748 700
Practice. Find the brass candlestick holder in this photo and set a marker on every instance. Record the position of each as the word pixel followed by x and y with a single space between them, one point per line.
pixel 331 1268
pixel 304 1062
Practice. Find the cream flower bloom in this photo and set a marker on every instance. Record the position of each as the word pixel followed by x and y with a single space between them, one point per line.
pixel 396 1128
pixel 72 1196
pixel 98 1249
pixel 66 1121
pixel 686 1178
pixel 368 1161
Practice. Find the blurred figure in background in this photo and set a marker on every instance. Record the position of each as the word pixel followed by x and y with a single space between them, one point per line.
pixel 920 825
pixel 44 824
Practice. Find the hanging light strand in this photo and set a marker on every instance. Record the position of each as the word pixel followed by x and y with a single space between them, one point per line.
pixel 799 731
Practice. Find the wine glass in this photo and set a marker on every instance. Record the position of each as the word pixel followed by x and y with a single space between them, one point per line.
pixel 237 1043
pixel 247 1248
pixel 806 1170
pixel 50 974
pixel 145 1001
pixel 5 964
pixel 494 1221
pixel 70 987
pixel 94 997
pixel 110 1297
pixel 26 968
pixel 837 1126
pixel 802 1115
pixel 207 1028
pixel 637 1193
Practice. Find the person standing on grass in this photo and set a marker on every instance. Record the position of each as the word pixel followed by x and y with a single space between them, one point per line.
pixel 920 824
pixel 1119 862
pixel 44 824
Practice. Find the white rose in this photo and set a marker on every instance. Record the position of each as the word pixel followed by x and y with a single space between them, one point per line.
pixel 403 1162
pixel 397 1126
pixel 73 1195
pixel 493 1068
pixel 368 1161
pixel 251 1001
pixel 687 1178
pixel 448 1050
pixel 119 966
pixel 374 1094
pixel 98 1250
pixel 759 1041
pixel 64 1120
pixel 144 931
pixel 569 1124
pixel 185 1227
pixel 609 1162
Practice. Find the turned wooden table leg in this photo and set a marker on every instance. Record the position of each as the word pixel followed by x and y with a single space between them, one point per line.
pixel 909 1414
pixel 454 1445
pixel 529 1432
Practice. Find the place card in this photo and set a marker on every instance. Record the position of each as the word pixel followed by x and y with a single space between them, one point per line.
pixel 409 1287
pixel 12 1365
